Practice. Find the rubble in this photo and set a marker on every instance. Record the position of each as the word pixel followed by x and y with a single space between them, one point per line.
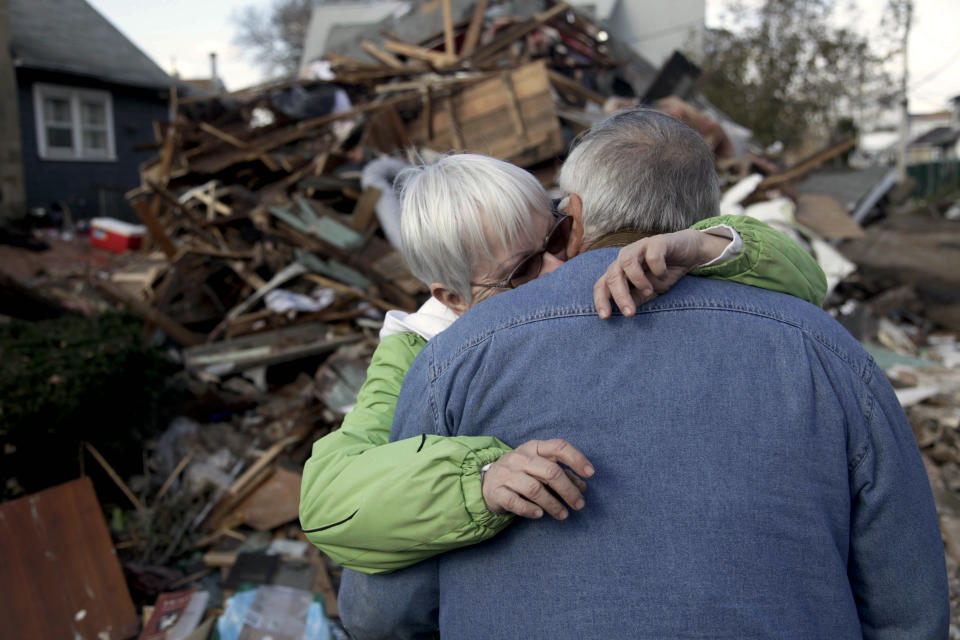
pixel 271 253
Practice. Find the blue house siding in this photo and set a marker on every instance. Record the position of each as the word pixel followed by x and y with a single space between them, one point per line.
pixel 89 188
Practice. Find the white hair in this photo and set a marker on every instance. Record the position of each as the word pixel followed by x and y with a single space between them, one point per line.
pixel 643 170
pixel 458 211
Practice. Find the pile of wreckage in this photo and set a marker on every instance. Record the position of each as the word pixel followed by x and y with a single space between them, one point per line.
pixel 272 243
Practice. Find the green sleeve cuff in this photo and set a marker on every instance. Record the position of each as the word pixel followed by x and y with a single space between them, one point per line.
pixel 471 482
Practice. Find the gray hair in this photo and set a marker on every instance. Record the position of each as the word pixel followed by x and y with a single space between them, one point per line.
pixel 458 211
pixel 644 170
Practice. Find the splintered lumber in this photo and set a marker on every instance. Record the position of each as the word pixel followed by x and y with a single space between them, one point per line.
pixel 336 286
pixel 473 31
pixel 385 57
pixel 116 478
pixel 273 503
pixel 148 214
pixel 512 34
pixel 434 58
pixel 486 118
pixel 266 458
pixel 807 164
pixel 59 561
pixel 449 44
pixel 366 208
pixel 564 83
pixel 223 135
pixel 175 330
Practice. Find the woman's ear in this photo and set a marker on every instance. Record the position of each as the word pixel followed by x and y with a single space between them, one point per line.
pixel 572 205
pixel 448 298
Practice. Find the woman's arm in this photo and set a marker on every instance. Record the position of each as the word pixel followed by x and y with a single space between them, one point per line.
pixel 374 505
pixel 769 260
pixel 766 259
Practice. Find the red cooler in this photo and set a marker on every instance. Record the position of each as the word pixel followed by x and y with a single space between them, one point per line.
pixel 116 235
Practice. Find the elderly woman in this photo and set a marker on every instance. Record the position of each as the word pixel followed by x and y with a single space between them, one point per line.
pixel 473 226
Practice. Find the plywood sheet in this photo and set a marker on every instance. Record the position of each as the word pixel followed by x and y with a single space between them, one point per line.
pixel 59 575
pixel 824 214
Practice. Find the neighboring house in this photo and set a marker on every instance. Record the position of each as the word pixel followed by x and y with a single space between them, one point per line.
pixel 942 143
pixel 654 29
pixel 87 97
pixel 935 137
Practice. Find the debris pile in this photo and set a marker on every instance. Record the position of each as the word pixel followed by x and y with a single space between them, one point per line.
pixel 270 254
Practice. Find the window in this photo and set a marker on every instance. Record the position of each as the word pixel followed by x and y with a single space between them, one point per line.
pixel 73 124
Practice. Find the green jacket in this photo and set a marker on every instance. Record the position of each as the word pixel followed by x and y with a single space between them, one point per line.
pixel 376 506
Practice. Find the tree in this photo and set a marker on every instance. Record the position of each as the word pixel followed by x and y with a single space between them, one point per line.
pixel 790 73
pixel 274 37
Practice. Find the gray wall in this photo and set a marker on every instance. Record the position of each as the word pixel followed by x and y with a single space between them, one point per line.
pixel 90 188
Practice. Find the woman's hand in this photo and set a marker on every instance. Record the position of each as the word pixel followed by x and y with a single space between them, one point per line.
pixel 651 266
pixel 521 481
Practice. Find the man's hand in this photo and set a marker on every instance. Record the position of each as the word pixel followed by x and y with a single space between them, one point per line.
pixel 651 266
pixel 521 480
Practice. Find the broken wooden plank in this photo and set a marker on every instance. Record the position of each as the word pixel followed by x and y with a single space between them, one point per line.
pixel 173 329
pixel 385 57
pixel 449 45
pixel 434 58
pixel 513 105
pixel 512 34
pixel 273 503
pixel 363 213
pixel 223 135
pixel 453 126
pixel 807 164
pixel 564 83
pixel 473 31
pixel 59 561
pixel 337 286
pixel 117 480
pixel 148 215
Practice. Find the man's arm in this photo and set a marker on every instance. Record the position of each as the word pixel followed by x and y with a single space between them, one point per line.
pixel 896 565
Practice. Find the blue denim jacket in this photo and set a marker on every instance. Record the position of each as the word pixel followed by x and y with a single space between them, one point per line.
pixel 756 476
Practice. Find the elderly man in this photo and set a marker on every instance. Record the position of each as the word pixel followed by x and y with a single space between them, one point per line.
pixel 755 475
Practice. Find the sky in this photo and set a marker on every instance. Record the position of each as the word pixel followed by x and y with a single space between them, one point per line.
pixel 180 34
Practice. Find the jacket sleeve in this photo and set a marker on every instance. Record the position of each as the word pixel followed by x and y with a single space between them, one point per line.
pixel 769 260
pixel 376 506
pixel 896 567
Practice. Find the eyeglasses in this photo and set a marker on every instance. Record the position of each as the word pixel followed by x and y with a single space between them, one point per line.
pixel 555 243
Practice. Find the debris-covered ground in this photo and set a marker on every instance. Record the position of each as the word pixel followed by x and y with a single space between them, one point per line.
pixel 188 378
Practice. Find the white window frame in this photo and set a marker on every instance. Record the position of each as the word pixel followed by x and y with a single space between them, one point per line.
pixel 74 96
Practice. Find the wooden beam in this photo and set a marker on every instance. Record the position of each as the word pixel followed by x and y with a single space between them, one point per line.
pixel 453 125
pixel 117 480
pixel 342 288
pixel 562 82
pixel 172 328
pixel 147 213
pixel 385 57
pixel 449 43
pixel 434 58
pixel 473 31
pixel 223 135
pixel 513 105
pixel 512 34
pixel 807 164
pixel 366 207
